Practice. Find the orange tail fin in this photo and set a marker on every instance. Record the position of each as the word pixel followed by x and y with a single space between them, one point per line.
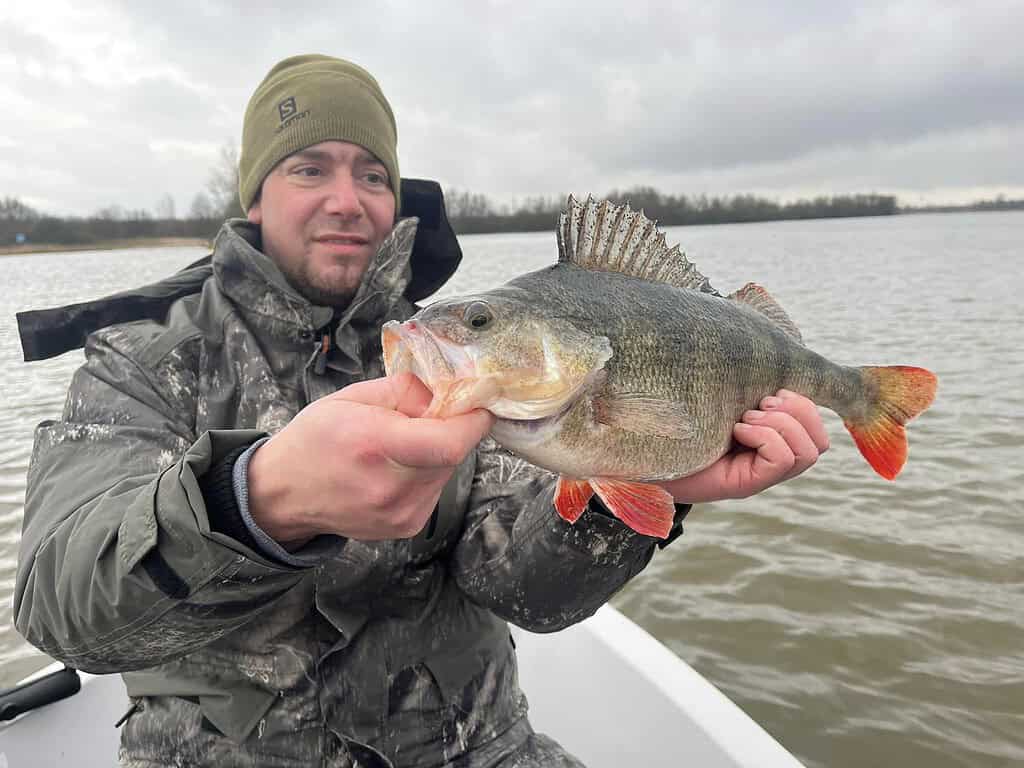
pixel 900 393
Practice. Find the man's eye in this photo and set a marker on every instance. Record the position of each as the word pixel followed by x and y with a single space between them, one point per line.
pixel 307 170
pixel 375 177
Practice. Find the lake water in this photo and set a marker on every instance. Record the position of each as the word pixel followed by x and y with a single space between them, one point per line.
pixel 862 622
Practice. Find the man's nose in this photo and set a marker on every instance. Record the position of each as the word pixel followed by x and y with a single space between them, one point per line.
pixel 342 196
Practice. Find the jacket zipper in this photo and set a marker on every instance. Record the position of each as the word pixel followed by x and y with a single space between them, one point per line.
pixel 324 347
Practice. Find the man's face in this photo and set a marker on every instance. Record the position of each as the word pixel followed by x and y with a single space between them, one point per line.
pixel 323 212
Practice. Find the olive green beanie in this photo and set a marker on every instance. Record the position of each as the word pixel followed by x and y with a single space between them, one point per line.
pixel 307 99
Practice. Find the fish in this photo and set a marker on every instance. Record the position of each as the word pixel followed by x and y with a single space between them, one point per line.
pixel 620 366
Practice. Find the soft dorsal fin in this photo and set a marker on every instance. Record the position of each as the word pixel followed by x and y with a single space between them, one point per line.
pixel 605 237
pixel 756 297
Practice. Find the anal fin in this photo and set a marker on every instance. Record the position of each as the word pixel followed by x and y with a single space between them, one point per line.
pixel 647 509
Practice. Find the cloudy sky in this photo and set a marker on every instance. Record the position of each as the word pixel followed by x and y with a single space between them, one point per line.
pixel 124 101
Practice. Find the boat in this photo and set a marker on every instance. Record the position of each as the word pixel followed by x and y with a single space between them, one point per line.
pixel 604 688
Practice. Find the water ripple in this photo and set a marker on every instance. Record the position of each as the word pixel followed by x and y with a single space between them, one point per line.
pixel 862 622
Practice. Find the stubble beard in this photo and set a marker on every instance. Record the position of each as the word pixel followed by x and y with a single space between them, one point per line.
pixel 316 288
pixel 319 293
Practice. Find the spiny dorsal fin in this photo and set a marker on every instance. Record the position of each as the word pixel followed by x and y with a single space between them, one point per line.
pixel 756 297
pixel 614 238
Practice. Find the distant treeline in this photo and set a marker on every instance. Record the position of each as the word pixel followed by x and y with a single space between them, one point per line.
pixel 999 204
pixel 469 213
pixel 20 224
pixel 473 213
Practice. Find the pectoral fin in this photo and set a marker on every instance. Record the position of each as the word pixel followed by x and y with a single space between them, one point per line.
pixel 643 414
pixel 571 497
pixel 647 509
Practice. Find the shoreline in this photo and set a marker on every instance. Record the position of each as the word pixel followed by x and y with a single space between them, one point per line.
pixel 105 245
pixel 207 243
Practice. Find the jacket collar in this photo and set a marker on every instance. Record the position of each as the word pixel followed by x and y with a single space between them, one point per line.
pixel 254 283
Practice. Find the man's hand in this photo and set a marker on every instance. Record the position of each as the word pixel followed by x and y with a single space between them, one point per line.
pixel 359 463
pixel 787 436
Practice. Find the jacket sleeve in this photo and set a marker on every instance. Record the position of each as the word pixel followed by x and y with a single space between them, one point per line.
pixel 119 568
pixel 522 561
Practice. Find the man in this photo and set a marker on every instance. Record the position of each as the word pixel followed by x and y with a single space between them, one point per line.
pixel 336 594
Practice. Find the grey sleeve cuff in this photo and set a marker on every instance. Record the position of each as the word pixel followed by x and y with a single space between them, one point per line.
pixel 269 547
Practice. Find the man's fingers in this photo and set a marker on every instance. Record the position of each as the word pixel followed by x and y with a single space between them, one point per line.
pixel 786 436
pixel 404 393
pixel 435 443
pixel 797 439
pixel 772 461
pixel 803 410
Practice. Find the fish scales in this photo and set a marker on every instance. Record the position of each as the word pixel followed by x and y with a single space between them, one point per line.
pixel 621 366
pixel 713 356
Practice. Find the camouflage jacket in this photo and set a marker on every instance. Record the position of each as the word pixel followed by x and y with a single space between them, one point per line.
pixel 232 658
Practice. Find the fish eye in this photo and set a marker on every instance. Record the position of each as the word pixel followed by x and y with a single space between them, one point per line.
pixel 478 315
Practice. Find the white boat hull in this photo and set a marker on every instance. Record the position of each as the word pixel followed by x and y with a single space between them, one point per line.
pixel 605 689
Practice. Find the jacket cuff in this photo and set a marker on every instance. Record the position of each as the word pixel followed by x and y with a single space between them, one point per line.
pixel 310 554
pixel 217 486
pixel 682 510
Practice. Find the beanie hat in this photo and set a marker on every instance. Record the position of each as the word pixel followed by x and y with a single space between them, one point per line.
pixel 307 99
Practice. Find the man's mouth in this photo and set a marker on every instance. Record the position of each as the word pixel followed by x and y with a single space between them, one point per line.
pixel 342 239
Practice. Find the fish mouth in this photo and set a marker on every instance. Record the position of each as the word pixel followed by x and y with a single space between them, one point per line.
pixel 448 370
pixel 410 348
pixel 461 377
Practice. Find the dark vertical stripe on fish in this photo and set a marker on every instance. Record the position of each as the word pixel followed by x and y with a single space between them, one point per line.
pixel 740 351
pixel 783 353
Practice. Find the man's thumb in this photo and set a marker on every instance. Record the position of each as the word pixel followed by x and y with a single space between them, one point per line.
pixel 403 393
pixel 437 442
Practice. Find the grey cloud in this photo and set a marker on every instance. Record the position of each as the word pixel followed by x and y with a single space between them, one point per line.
pixel 715 131
pixel 903 169
pixel 512 99
pixel 728 100
pixel 103 147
